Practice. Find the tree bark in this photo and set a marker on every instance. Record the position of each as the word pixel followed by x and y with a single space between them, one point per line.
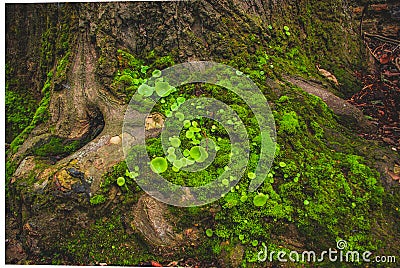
pixel 85 106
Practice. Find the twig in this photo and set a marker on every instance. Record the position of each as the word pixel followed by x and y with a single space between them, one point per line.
pixel 383 38
pixel 378 47
pixel 372 53
pixel 369 86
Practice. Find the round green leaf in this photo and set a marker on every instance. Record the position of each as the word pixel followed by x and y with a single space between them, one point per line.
pixel 180 100
pixel 198 153
pixel 195 129
pixel 171 157
pixel 209 232
pixel 174 107
pixel 163 89
pixel 156 73
pixel 186 153
pixel 204 155
pixel 175 142
pixel 260 200
pixel 195 152
pixel 184 161
pixel 175 169
pixel 196 142
pixel 189 162
pixel 187 123
pixel 180 116
pixel 145 90
pixel 168 113
pixel 178 164
pixel 121 181
pixel 171 150
pixel 159 164
pixel 251 175
pixel 189 134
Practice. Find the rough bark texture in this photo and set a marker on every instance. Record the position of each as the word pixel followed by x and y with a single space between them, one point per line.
pixel 49 197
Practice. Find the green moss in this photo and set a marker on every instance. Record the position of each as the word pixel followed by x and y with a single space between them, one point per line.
pixel 289 123
pixel 56 146
pixel 98 199
pixel 105 241
pixel 313 186
pixel 317 129
pixel 19 112
pixel 41 115
pixel 62 68
pixel 131 74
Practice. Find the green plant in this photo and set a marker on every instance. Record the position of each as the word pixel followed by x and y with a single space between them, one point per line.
pixel 159 165
pixel 209 232
pixel 145 90
pixel 156 73
pixel 260 200
pixel 251 175
pixel 289 123
pixel 175 142
pixel 41 115
pixel 286 29
pixel 19 110
pixel 97 199
pixel 283 99
pixel 120 181
pixel 56 146
pixel 163 89
pixel 198 154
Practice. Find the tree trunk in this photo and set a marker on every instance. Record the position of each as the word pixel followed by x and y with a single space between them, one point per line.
pixel 74 48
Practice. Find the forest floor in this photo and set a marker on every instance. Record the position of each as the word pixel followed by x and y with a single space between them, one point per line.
pixel 380 96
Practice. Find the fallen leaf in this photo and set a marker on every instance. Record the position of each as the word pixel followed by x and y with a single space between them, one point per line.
pixel 155 264
pixel 388 140
pixel 384 59
pixel 173 263
pixel 396 169
pixel 394 176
